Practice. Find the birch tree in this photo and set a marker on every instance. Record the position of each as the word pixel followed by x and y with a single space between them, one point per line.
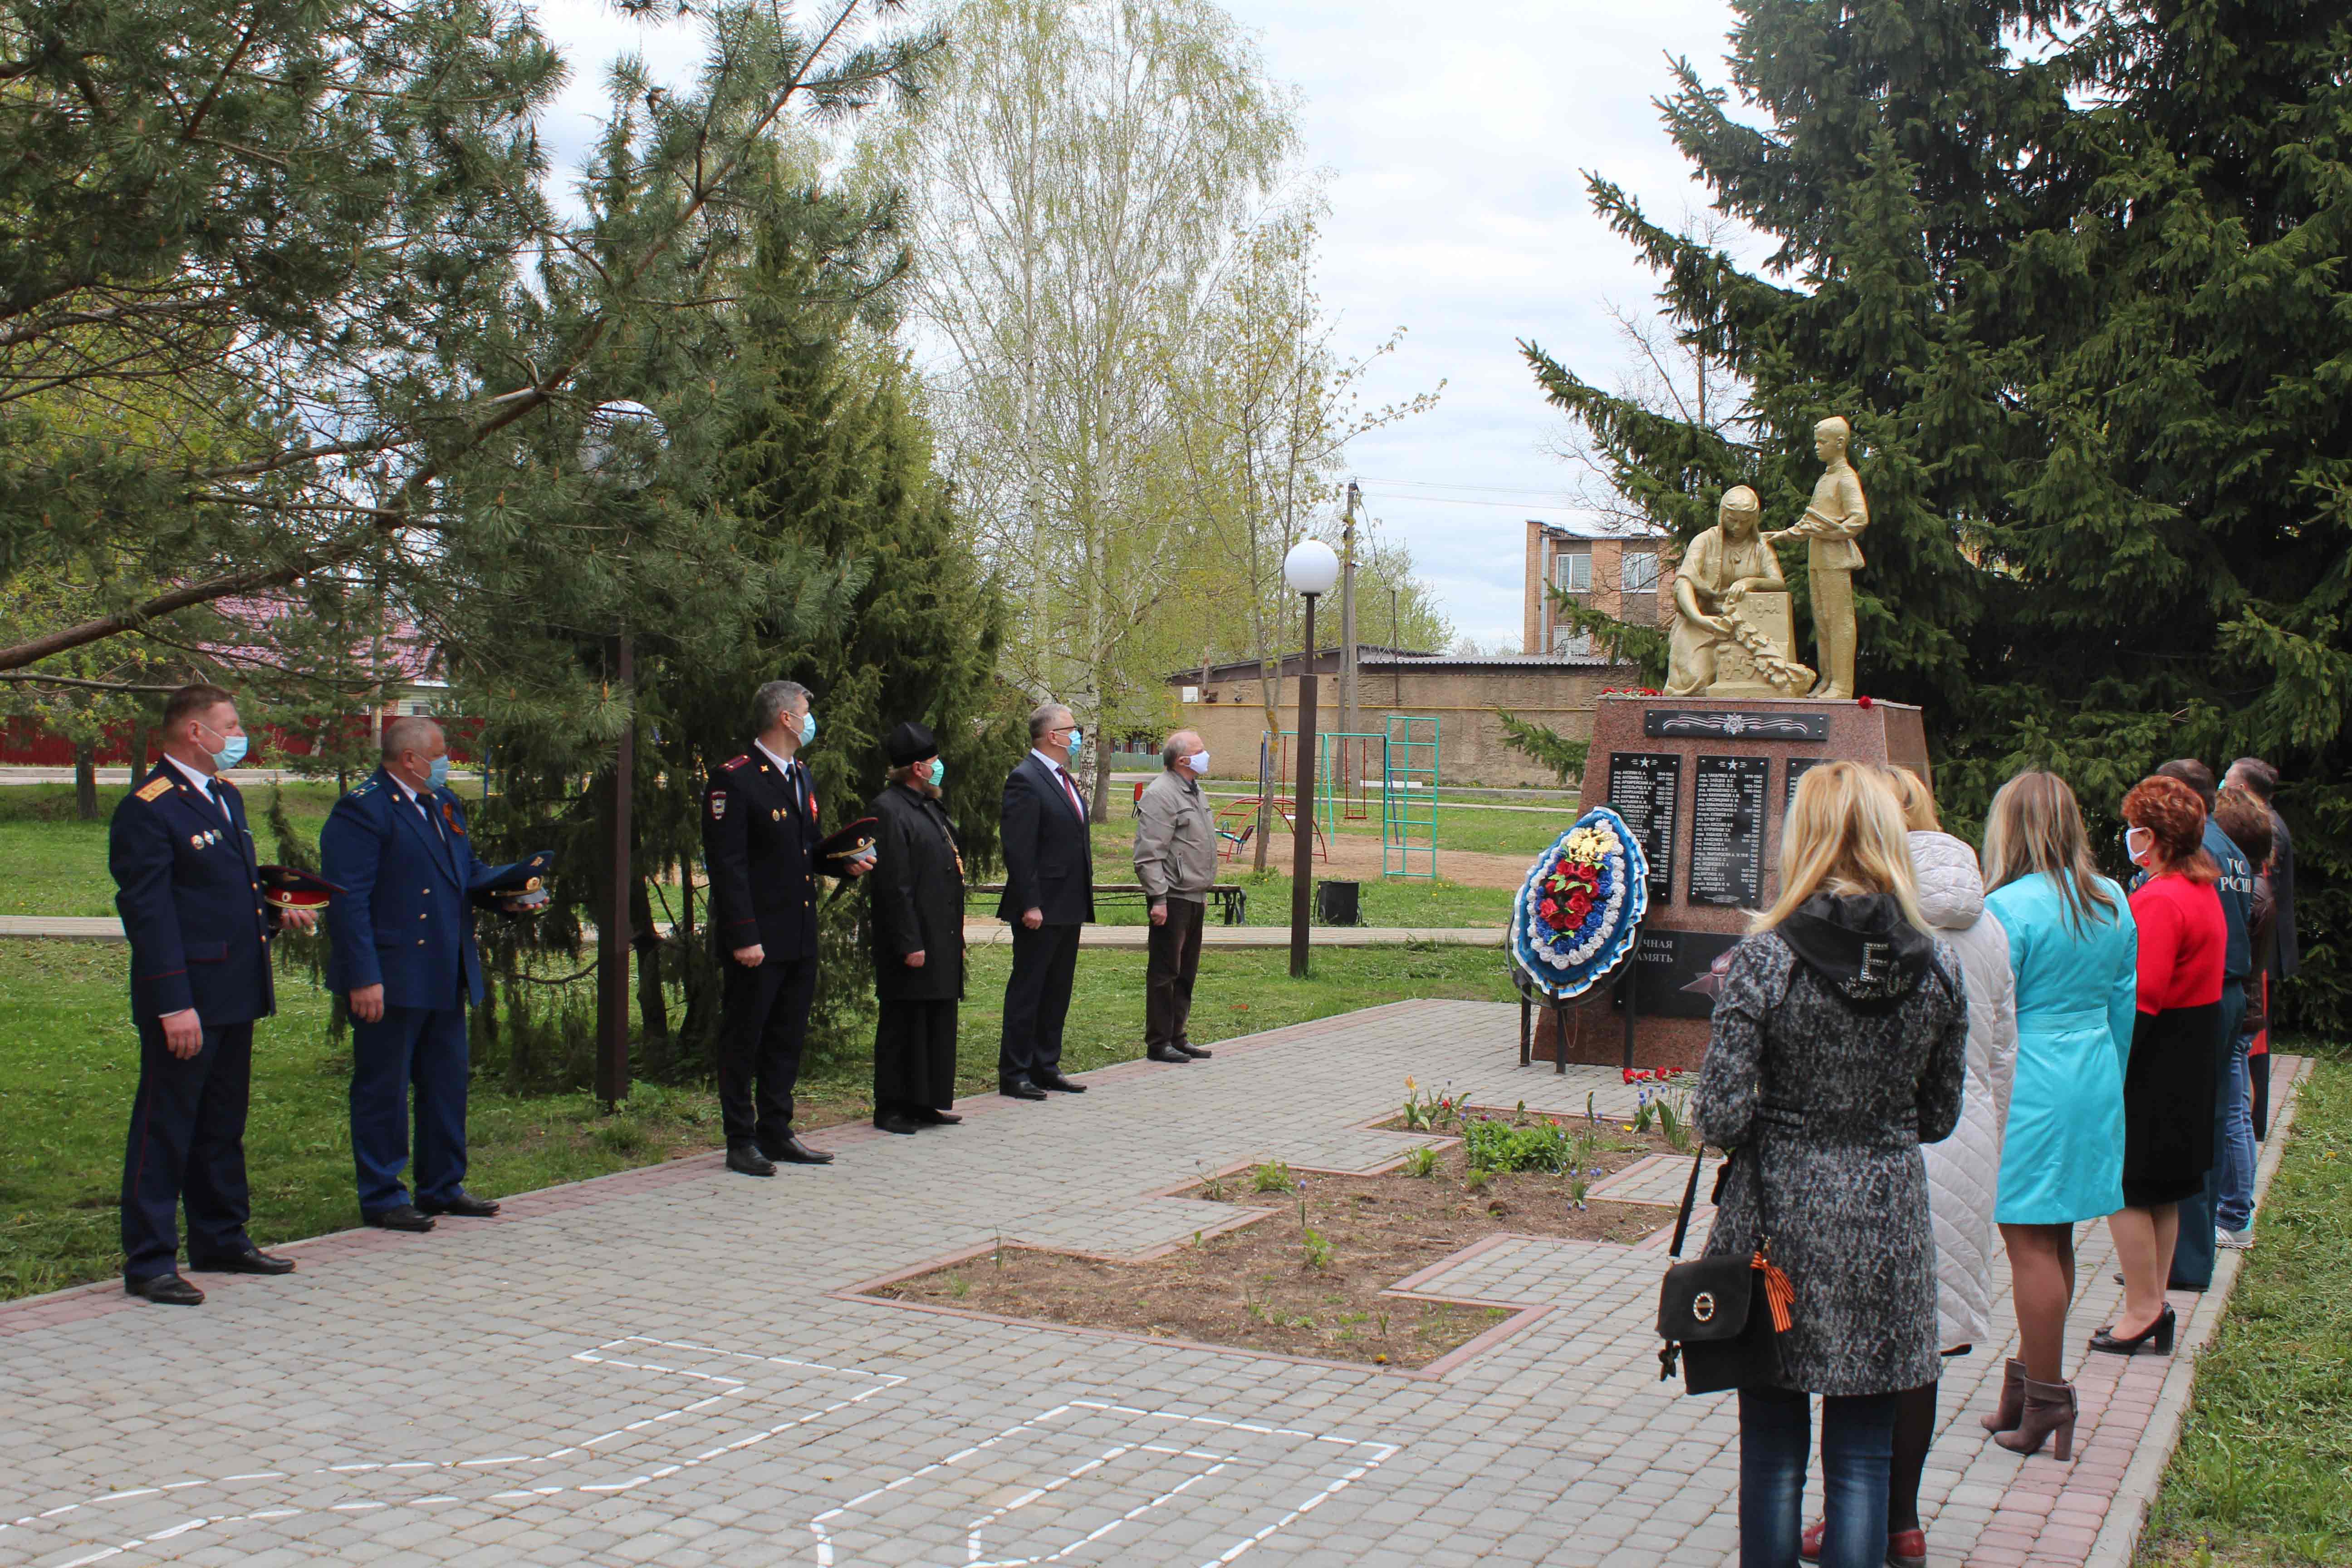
pixel 1085 169
pixel 1267 405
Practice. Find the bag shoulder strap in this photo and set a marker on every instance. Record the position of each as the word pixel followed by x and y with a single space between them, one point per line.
pixel 1690 1195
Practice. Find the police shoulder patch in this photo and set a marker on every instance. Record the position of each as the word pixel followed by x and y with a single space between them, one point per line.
pixel 155 790
pixel 365 786
pixel 735 761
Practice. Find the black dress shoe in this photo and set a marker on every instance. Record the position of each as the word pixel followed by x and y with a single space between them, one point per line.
pixel 793 1151
pixel 1057 1082
pixel 1168 1054
pixel 402 1216
pixel 1195 1052
pixel 165 1290
pixel 745 1159
pixel 252 1260
pixel 1018 1088
pixel 465 1206
pixel 891 1122
pixel 924 1113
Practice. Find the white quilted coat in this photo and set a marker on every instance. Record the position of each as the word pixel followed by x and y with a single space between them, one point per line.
pixel 1964 1169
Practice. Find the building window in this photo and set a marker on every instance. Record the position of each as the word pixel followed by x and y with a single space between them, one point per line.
pixel 1572 574
pixel 1638 583
pixel 1190 694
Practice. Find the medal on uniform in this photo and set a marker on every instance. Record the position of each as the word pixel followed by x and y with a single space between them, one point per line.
pixel 195 841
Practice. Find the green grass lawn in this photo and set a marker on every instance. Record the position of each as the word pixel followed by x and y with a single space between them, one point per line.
pixel 1383 901
pixel 56 865
pixel 69 1066
pixel 2263 1473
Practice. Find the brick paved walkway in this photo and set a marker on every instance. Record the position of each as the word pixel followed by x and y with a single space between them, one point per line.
pixel 661 1367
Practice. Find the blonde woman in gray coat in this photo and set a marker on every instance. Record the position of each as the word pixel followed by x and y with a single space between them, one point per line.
pixel 1839 1047
pixel 1964 1170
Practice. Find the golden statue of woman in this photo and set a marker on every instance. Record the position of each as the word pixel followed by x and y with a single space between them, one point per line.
pixel 1718 570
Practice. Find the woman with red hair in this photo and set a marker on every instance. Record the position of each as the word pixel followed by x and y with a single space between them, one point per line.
pixel 2176 1042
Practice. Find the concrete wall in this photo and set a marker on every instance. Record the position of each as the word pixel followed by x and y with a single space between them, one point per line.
pixel 1462 699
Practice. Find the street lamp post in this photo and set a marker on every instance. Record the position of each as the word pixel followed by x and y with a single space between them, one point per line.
pixel 1309 569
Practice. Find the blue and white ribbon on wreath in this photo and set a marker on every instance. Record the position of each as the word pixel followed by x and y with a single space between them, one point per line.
pixel 1567 964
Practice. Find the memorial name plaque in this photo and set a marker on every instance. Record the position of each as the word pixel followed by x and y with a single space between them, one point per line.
pixel 1725 724
pixel 1642 786
pixel 1797 768
pixel 1728 831
pixel 1668 960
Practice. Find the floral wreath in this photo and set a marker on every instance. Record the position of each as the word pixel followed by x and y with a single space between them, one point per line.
pixel 1577 914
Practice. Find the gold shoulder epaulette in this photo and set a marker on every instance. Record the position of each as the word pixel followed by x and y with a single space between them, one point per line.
pixel 155 790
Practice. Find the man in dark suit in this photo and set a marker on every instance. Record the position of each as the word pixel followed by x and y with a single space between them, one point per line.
pixel 189 890
pixel 401 948
pixel 760 842
pixel 1049 894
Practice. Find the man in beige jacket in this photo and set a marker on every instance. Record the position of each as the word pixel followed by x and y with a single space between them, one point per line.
pixel 1176 861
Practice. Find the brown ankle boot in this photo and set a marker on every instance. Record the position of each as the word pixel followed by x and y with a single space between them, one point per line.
pixel 2049 1412
pixel 2011 1409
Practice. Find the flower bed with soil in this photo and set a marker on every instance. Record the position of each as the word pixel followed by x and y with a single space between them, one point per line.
pixel 1316 1277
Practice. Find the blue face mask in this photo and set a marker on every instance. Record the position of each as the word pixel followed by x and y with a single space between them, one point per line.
pixel 939 771
pixel 1078 740
pixel 808 727
pixel 232 752
pixel 437 774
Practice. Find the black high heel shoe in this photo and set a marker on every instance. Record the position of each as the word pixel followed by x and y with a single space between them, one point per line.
pixel 2156 1336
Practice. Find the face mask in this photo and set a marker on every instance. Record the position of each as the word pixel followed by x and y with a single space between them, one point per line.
pixel 232 750
pixel 808 727
pixel 938 770
pixel 1078 740
pixel 2137 842
pixel 1198 762
pixel 437 772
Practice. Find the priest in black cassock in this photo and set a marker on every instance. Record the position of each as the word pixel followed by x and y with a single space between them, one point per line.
pixel 917 887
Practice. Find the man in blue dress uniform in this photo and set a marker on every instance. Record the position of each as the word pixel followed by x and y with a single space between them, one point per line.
pixel 189 890
pixel 401 948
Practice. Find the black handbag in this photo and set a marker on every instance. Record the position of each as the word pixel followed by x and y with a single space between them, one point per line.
pixel 1722 1316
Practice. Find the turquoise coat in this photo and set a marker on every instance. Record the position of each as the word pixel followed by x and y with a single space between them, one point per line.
pixel 2062 1159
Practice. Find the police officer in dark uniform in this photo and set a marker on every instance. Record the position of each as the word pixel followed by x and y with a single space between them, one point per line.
pixel 761 845
pixel 190 892
pixel 400 930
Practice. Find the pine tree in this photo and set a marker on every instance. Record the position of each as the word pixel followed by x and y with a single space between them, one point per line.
pixel 2082 294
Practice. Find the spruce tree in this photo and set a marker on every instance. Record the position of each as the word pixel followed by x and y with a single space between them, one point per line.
pixel 2077 279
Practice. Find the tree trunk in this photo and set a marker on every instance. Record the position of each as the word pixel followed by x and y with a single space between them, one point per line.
pixel 86 781
pixel 138 733
pixel 1102 770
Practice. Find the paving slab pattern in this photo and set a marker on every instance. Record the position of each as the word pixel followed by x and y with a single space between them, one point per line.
pixel 664 1366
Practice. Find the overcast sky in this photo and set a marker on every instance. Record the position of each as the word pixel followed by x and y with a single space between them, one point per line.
pixel 1456 144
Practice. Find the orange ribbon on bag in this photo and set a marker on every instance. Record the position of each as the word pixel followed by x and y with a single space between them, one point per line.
pixel 1778 1294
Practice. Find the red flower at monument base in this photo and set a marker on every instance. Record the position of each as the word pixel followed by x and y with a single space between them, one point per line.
pixel 1862 701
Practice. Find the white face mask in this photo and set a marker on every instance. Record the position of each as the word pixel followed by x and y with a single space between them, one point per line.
pixel 1199 762
pixel 2137 843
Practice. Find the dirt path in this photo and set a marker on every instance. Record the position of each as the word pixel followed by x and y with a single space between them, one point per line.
pixel 1358 855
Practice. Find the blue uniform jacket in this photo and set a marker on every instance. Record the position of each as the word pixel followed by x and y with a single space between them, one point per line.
pixel 404 918
pixel 189 890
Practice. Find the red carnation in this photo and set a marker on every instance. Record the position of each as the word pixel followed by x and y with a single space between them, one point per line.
pixel 1862 701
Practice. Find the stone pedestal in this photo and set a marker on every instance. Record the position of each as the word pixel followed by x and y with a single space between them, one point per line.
pixel 1706 783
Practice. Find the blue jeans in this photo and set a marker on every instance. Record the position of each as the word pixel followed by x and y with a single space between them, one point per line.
pixel 2235 1206
pixel 1857 1449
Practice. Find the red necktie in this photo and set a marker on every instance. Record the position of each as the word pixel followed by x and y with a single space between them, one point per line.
pixel 1075 803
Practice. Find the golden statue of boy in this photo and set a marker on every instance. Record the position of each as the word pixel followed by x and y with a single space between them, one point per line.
pixel 1831 524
